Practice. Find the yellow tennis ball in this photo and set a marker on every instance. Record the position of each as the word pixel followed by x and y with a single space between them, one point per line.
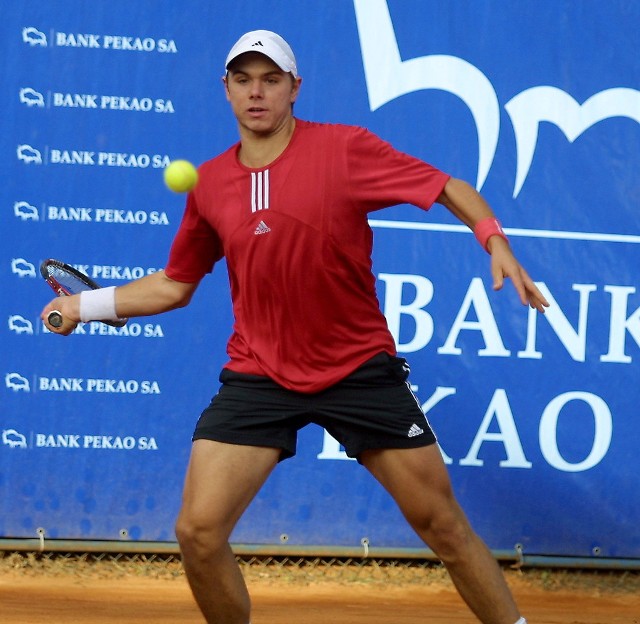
pixel 180 176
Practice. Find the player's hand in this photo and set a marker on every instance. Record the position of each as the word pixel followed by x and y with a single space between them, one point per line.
pixel 69 308
pixel 504 264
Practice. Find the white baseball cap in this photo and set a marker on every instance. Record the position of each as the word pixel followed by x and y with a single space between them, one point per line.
pixel 268 43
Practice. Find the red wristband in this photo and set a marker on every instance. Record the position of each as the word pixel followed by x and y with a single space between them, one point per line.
pixel 486 228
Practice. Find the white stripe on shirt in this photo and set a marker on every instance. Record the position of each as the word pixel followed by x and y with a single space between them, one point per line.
pixel 259 190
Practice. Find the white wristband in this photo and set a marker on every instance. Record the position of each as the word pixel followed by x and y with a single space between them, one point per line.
pixel 98 305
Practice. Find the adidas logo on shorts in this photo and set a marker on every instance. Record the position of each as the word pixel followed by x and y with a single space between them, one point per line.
pixel 415 431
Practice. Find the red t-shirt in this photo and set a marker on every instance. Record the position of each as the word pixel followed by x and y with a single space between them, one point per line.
pixel 298 248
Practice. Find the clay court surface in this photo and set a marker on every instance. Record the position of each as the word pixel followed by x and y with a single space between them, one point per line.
pixel 70 592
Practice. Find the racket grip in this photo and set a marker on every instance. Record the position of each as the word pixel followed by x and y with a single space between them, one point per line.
pixel 55 318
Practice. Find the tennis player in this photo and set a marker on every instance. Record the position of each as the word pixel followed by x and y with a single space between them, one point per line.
pixel 287 207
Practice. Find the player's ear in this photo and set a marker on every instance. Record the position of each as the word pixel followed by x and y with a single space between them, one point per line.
pixel 225 82
pixel 295 88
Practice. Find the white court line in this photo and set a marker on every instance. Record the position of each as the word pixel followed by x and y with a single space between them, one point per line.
pixel 443 227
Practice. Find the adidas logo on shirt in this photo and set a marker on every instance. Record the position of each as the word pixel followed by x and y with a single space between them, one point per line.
pixel 414 431
pixel 262 228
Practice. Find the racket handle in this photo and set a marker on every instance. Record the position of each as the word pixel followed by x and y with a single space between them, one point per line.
pixel 55 318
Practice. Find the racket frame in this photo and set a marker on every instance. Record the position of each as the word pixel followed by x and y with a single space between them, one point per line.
pixel 55 317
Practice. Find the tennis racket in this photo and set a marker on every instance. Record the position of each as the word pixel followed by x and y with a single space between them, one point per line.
pixel 65 280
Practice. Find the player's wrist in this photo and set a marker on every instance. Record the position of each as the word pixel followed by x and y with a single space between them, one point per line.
pixel 494 242
pixel 98 305
pixel 485 229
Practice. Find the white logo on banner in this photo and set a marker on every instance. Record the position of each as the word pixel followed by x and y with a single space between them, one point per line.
pixel 106 215
pixel 22 268
pixel 112 102
pixel 13 439
pixel 104 442
pixel 28 154
pixel 389 77
pixel 28 212
pixel 476 314
pixel 35 37
pixel 98 386
pixel 31 97
pixel 25 211
pixel 20 325
pixel 530 108
pixel 17 382
pixel 108 159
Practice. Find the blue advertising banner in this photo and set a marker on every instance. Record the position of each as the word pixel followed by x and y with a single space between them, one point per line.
pixel 535 103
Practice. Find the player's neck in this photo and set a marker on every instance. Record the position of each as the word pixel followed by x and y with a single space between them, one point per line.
pixel 259 149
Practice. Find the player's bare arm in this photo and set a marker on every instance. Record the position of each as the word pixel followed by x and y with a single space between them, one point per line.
pixel 152 294
pixel 465 203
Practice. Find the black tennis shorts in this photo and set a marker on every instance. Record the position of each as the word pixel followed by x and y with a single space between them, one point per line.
pixel 373 408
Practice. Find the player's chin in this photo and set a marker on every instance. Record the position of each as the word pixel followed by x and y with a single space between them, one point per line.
pixel 260 128
pixel 260 123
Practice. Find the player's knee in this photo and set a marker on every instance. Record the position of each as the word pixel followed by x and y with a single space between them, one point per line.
pixel 197 536
pixel 185 531
pixel 447 533
pixel 451 542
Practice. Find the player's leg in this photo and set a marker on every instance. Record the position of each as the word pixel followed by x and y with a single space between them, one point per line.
pixel 221 481
pixel 418 481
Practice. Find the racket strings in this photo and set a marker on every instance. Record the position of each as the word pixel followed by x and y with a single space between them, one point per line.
pixel 71 283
